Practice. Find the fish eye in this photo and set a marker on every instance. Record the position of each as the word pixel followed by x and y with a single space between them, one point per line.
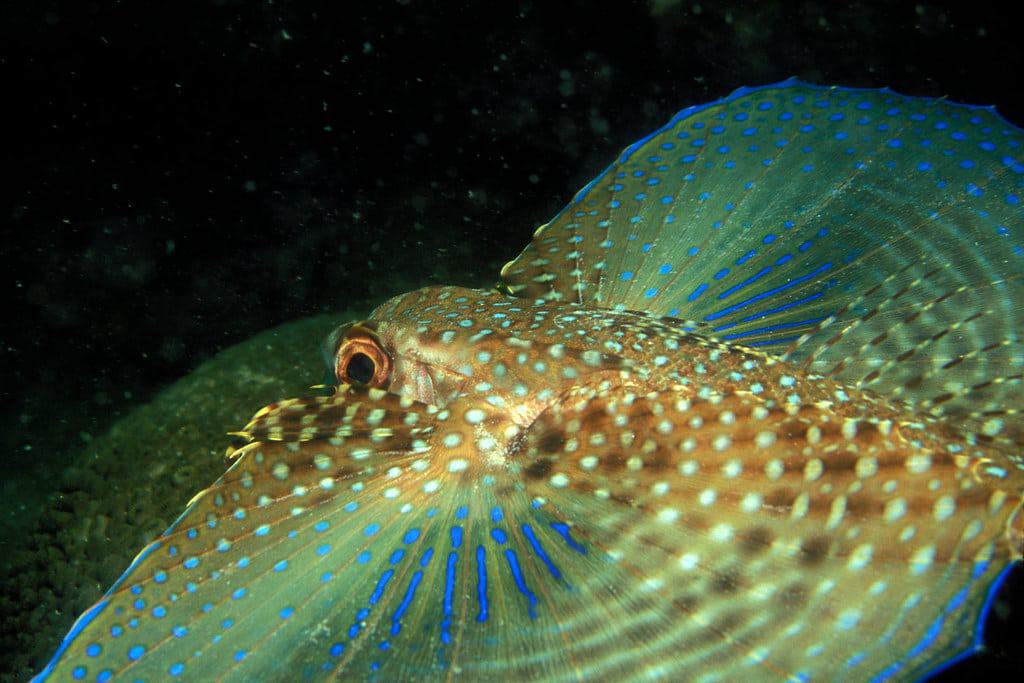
pixel 361 359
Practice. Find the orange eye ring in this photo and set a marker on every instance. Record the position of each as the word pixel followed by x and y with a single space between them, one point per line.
pixel 362 360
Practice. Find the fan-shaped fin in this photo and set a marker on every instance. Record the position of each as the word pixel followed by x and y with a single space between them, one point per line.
pixel 866 235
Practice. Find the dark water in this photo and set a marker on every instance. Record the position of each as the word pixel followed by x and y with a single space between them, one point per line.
pixel 184 175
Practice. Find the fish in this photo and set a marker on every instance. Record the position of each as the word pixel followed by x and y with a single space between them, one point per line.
pixel 748 408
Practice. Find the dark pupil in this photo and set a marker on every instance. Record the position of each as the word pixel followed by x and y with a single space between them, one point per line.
pixel 360 368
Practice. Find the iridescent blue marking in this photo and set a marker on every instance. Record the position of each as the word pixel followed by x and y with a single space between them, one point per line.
pixel 517 575
pixel 135 652
pixel 499 535
pixel 784 307
pixel 496 515
pixel 539 550
pixel 773 328
pixel 449 590
pixel 770 292
pixel 322 525
pixel 410 536
pixel 456 536
pixel 414 583
pixel 461 512
pixel 750 280
pixel 562 530
pixel 695 294
pixel 481 582
pixel 281 566
pixel 381 585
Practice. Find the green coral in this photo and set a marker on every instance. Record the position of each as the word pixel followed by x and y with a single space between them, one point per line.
pixel 127 486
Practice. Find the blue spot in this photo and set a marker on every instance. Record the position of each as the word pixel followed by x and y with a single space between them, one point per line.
pixel 693 251
pixel 191 563
pixel 626 276
pixel 987 146
pixel 363 557
pixel 176 669
pixel 179 631
pixel 227 623
pixel 139 604
pixel 371 529
pixel 410 536
pixel 160 576
pixel 351 506
pixel 242 562
pixel 461 512
pixel 326 576
pixel 93 650
pixel 322 525
pixel 651 292
pixel 323 549
pixel 238 594
pixel 78 673
pixel 240 655
pixel 287 612
pixel 336 649
pixel 498 535
pixel 116 631
pixel 104 676
pixel 1012 199
pixel 192 533
pixel 281 566
pixel 396 556
pixel 135 652
pixel 496 515
pixel 665 269
pixel 456 536
pixel 159 612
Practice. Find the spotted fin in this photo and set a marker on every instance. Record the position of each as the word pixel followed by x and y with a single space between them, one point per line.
pixel 865 235
pixel 368 535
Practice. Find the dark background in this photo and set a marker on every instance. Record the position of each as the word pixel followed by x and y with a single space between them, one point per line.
pixel 181 175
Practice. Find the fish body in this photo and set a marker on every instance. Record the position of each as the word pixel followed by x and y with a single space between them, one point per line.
pixel 723 419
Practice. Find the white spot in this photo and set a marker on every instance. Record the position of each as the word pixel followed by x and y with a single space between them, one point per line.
pixel 860 557
pixel 431 486
pixel 848 618
pixel 919 463
pixel 390 492
pixel 733 468
pixel 895 509
pixel 764 439
pixel 707 497
pixel 458 465
pixel 866 467
pixel 659 488
pixel 774 469
pixel 813 469
pixel 486 443
pixel 849 429
pixel 800 506
pixel 944 508
pixel 721 533
pixel 280 471
pixel 721 442
pixel 688 468
pixel 836 512
pixel 688 562
pixel 559 481
pixel 321 461
pixel 475 416
pixel 751 503
pixel 668 515
pixel 922 559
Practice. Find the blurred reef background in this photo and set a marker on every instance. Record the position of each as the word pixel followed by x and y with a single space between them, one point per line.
pixel 188 179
